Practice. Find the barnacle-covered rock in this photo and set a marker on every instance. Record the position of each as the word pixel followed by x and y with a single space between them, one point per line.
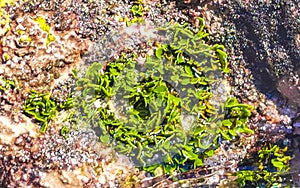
pixel 289 87
pixel 31 159
pixel 5 20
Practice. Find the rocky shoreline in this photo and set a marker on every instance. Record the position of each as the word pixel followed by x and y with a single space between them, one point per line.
pixel 261 39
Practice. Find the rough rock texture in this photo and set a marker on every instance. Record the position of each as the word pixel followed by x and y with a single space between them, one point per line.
pixel 28 159
pixel 262 39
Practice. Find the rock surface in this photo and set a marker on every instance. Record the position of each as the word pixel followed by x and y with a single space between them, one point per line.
pixel 262 39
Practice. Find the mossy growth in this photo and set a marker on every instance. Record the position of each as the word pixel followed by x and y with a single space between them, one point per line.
pixel 6 84
pixel 46 28
pixel 42 108
pixel 64 131
pixel 137 11
pixel 159 113
pixel 273 163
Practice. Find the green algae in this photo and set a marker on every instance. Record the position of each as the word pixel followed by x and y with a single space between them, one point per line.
pixel 137 11
pixel 6 84
pixel 42 108
pixel 160 113
pixel 273 163
pixel 142 110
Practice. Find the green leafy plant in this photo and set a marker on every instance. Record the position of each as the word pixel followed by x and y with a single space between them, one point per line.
pixel 6 84
pixel 140 109
pixel 236 121
pixel 64 131
pixel 276 156
pixel 67 104
pixel 272 164
pixel 137 11
pixel 43 108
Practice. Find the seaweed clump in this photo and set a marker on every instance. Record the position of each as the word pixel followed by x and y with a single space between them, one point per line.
pixel 272 166
pixel 160 113
pixel 42 108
